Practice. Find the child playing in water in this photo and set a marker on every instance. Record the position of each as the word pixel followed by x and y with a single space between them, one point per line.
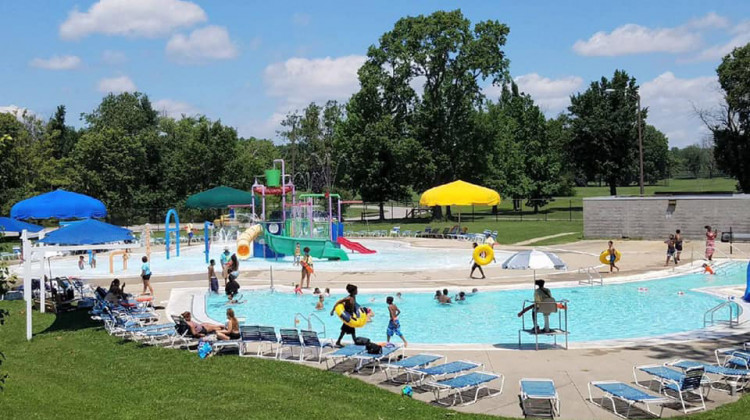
pixel 81 263
pixel 297 289
pixel 328 292
pixel 350 305
pixel 297 254
pixel 321 302
pixel 394 326
pixel 316 291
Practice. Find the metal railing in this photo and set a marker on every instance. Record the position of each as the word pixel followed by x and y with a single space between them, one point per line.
pixel 309 318
pixel 593 276
pixel 709 318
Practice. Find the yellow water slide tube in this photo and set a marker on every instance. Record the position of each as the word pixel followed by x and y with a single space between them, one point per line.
pixel 243 242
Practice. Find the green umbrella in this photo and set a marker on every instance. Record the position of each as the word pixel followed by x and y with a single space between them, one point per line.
pixel 220 197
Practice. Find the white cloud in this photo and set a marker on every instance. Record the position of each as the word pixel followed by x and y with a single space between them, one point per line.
pixel 672 102
pixel 57 62
pixel 204 44
pixel 113 58
pixel 301 80
pixel 133 18
pixel 301 19
pixel 116 85
pixel 740 36
pixel 552 95
pixel 637 39
pixel 174 109
pixel 15 110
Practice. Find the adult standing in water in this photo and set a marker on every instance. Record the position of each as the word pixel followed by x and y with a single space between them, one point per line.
pixel 234 267
pixel 677 245
pixel 146 276
pixel 710 242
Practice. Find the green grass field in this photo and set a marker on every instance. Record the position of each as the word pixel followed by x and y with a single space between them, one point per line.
pixel 72 369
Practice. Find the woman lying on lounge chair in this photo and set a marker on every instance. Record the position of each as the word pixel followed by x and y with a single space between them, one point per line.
pixel 232 329
pixel 197 329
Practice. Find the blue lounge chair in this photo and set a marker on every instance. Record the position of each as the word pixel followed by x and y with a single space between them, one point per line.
pixel 365 358
pixel 457 386
pixel 616 390
pixel 439 371
pixel 539 397
pixel 733 357
pixel 268 337
pixel 290 340
pixel 249 334
pixel 412 362
pixel 311 341
pixel 344 353
pixel 733 378
pixel 679 383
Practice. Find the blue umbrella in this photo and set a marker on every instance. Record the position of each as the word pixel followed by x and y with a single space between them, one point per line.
pixel 58 204
pixel 88 232
pixel 8 225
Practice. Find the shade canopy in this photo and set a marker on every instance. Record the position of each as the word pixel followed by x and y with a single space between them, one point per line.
pixel 459 193
pixel 8 225
pixel 58 204
pixel 534 260
pixel 219 198
pixel 88 232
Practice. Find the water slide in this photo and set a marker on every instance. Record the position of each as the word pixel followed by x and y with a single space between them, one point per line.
pixel 319 248
pixel 243 242
pixel 354 246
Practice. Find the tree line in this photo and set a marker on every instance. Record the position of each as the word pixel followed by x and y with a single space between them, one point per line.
pixel 422 116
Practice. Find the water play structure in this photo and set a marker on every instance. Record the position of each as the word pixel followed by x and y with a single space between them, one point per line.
pixel 172 214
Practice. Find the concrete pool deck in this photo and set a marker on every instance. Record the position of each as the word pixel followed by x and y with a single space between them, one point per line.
pixel 571 370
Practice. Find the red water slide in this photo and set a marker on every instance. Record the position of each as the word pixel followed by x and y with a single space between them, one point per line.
pixel 354 246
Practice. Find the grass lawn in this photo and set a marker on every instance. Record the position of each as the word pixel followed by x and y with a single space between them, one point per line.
pixel 509 232
pixel 73 369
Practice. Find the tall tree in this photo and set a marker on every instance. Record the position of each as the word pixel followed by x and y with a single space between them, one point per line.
pixel 731 128
pixel 604 122
pixel 655 155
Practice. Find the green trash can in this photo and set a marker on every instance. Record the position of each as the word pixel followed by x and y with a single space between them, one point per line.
pixel 273 178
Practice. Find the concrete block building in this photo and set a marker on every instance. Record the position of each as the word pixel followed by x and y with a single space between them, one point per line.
pixel 656 217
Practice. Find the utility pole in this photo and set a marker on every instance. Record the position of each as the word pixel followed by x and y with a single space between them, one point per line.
pixel 640 141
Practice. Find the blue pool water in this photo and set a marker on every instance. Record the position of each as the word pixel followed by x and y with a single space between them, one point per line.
pixel 611 311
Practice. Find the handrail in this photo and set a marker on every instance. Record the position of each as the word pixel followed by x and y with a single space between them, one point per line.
pixel 734 319
pixel 591 279
pixel 309 319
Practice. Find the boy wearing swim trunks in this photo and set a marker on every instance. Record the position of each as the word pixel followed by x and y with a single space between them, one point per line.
pixel 350 306
pixel 394 326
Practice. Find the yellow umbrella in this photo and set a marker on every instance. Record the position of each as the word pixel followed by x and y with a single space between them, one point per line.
pixel 459 193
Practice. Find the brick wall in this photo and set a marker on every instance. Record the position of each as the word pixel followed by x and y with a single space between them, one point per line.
pixel 654 218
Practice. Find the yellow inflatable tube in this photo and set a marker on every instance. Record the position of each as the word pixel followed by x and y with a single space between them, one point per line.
pixel 347 318
pixel 243 242
pixel 485 249
pixel 604 256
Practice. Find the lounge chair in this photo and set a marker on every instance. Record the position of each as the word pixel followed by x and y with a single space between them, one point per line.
pixel 311 341
pixel 616 390
pixel 733 378
pixel 439 371
pixel 364 359
pixel 290 340
pixel 343 354
pixel 249 334
pixel 733 357
pixel 452 232
pixel 437 234
pixel 539 397
pixel 395 232
pixel 423 234
pixel 681 384
pixel 474 381
pixel 412 362
pixel 268 337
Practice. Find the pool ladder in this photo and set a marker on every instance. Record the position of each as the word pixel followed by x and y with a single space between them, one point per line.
pixel 593 276
pixel 734 314
pixel 309 318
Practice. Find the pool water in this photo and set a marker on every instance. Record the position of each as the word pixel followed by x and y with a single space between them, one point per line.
pixel 612 311
pixel 390 256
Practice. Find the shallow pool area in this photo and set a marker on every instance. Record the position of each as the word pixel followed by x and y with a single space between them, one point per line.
pixel 613 311
pixel 390 256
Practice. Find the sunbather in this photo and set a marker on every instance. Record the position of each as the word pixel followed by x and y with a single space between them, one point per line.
pixel 116 292
pixel 197 329
pixel 232 329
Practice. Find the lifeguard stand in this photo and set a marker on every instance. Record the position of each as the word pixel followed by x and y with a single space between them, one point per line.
pixel 562 324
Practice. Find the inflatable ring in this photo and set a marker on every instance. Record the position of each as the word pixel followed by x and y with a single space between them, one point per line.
pixel 604 256
pixel 144 299
pixel 347 318
pixel 489 254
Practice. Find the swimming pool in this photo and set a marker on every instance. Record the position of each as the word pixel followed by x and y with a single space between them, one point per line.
pixel 612 311
pixel 390 256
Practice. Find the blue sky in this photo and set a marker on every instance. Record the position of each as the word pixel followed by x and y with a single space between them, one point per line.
pixel 249 63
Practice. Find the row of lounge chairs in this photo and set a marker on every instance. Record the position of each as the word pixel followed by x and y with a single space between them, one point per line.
pixel 684 383
pixel 446 233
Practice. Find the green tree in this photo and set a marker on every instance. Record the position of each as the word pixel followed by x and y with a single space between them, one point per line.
pixel 731 129
pixel 604 125
pixel 693 160
pixel 655 155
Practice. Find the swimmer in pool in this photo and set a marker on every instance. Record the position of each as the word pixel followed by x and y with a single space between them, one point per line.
pixel 461 296
pixel 321 303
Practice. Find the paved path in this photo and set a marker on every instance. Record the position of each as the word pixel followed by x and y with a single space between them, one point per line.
pixel 542 238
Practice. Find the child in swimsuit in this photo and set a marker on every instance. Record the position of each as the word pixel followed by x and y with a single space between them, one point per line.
pixel 670 250
pixel 297 254
pixel 612 256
